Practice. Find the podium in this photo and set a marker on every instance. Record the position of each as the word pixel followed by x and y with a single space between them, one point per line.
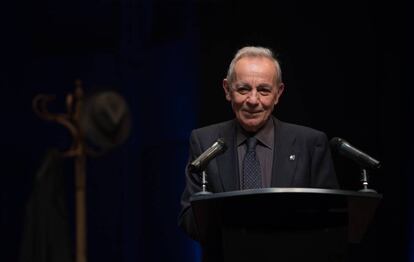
pixel 281 224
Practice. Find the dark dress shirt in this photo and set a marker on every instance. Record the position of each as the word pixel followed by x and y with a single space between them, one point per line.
pixel 264 151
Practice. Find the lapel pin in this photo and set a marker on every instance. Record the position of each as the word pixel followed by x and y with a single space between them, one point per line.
pixel 292 157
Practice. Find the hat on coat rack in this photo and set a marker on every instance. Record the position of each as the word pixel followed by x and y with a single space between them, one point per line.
pixel 105 119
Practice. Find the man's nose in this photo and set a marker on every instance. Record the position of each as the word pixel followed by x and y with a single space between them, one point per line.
pixel 253 98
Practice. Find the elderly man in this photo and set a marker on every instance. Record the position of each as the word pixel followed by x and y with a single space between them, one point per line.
pixel 262 150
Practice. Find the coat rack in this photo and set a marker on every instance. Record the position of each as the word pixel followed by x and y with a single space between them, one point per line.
pixel 102 119
pixel 78 150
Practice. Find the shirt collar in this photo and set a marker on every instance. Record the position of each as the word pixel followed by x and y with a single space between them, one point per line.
pixel 265 135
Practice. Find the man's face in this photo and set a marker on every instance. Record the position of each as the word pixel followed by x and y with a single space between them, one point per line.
pixel 253 93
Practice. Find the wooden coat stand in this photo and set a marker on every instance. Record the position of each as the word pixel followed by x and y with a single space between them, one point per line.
pixel 78 150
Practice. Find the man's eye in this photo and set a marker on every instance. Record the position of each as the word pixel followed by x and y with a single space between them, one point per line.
pixel 265 91
pixel 243 90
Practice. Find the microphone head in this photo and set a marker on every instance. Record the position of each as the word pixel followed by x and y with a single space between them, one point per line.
pixel 336 142
pixel 202 161
pixel 342 147
pixel 221 143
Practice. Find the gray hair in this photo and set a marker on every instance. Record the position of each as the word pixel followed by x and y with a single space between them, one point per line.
pixel 254 51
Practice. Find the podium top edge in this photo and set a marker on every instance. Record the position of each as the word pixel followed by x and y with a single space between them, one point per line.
pixel 280 190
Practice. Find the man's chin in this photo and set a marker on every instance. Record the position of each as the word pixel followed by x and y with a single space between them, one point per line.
pixel 251 126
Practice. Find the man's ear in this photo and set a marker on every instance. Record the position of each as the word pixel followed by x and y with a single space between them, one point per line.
pixel 226 87
pixel 279 91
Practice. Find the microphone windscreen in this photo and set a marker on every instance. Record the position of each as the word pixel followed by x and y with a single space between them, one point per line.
pixel 336 142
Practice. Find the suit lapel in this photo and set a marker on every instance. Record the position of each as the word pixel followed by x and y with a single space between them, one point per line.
pixel 285 156
pixel 228 162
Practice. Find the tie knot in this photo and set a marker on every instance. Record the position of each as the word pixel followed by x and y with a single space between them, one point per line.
pixel 251 143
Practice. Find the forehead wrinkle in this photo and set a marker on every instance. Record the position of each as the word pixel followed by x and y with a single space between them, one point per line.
pixel 254 80
pixel 255 67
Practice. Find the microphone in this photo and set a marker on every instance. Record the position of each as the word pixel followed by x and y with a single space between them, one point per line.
pixel 202 161
pixel 347 150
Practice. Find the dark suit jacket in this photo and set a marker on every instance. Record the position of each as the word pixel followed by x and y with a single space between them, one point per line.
pixel 312 165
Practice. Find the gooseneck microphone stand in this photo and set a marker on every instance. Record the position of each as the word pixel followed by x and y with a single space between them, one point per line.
pixel 200 163
pixel 203 184
pixel 364 181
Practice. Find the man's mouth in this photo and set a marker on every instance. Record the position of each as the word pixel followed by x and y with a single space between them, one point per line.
pixel 252 113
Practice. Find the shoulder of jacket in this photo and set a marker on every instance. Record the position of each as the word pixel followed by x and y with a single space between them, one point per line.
pixel 214 127
pixel 298 129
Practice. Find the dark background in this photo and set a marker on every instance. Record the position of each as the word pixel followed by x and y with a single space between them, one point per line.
pixel 346 67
